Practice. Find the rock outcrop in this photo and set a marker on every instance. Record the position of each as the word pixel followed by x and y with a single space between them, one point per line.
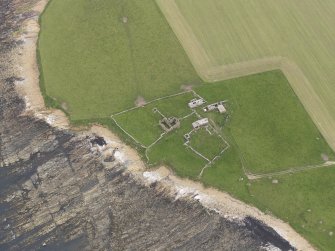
pixel 56 193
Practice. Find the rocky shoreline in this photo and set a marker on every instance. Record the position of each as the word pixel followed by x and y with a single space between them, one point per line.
pixel 58 192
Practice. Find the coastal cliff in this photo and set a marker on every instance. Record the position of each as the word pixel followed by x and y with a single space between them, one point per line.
pixel 58 193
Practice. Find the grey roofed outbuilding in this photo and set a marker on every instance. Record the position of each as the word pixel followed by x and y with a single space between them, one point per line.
pixel 196 102
pixel 200 123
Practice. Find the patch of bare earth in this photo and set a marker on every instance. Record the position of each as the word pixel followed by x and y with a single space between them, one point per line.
pixel 140 101
pixel 186 87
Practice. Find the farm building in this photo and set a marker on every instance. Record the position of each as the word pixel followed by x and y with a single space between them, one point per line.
pixel 221 109
pixel 200 123
pixel 196 102
pixel 169 124
pixel 219 106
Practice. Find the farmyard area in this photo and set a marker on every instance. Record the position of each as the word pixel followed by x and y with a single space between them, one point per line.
pixel 120 73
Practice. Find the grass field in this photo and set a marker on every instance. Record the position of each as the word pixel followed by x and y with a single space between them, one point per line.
pixel 266 122
pixel 98 57
pixel 143 123
pixel 209 144
pixel 94 64
pixel 263 136
pixel 271 126
pixel 231 38
pixel 308 203
pixel 172 152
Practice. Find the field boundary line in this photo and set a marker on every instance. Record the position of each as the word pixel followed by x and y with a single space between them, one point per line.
pixel 160 137
pixel 151 101
pixel 160 113
pixel 168 96
pixel 185 35
pixel 201 59
pixel 196 94
pixel 254 176
pixel 152 144
pixel 187 116
pixel 311 101
pixel 212 161
pixel 219 135
pixel 128 134
pixel 209 72
pixel 196 152
pixel 241 69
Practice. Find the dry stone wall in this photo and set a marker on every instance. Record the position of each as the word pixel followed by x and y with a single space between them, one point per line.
pixel 57 194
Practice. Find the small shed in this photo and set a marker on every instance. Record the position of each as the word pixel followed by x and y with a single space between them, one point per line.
pixel 215 106
pixel 200 123
pixel 196 102
pixel 209 108
pixel 221 109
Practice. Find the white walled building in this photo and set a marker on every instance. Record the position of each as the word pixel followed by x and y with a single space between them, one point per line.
pixel 196 102
pixel 200 123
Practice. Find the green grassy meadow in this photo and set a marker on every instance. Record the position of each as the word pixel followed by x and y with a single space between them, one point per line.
pixel 94 64
pixel 172 152
pixel 308 204
pixel 264 137
pixel 210 145
pixel 234 31
pixel 266 122
pixel 143 124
